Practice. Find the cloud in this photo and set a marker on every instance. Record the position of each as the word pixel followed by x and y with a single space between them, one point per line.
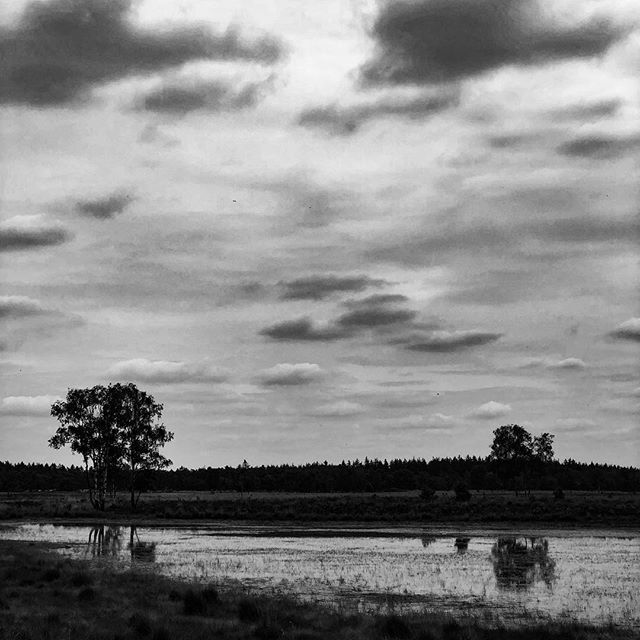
pixel 346 120
pixel 60 49
pixel 600 147
pixel 340 409
pixel 302 329
pixel 587 110
pixel 376 311
pixel 27 405
pixel 428 41
pixel 628 330
pixel 434 422
pixel 106 207
pixel 12 307
pixel 574 424
pixel 568 363
pixel 31 232
pixel 319 287
pixel 441 341
pixel 286 375
pixel 440 421
pixel 424 247
pixel 166 372
pixel 490 410
pixel 183 96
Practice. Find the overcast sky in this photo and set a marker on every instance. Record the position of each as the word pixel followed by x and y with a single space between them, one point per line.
pixel 324 230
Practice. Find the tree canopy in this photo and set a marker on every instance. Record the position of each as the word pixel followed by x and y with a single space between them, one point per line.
pixel 113 427
pixel 513 442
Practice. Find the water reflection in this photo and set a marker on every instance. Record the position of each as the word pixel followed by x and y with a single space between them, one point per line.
pixel 106 541
pixel 518 563
pixel 462 544
pixel 427 540
pixel 141 551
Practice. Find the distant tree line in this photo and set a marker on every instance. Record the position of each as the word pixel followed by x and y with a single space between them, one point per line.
pixel 438 474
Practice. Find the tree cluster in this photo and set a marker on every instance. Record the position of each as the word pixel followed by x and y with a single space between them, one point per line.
pixel 115 429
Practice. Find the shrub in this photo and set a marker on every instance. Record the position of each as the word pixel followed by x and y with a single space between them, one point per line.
pixel 81 579
pixel 194 603
pixel 462 493
pixel 210 594
pixel 267 631
pixel 51 574
pixel 140 624
pixel 427 493
pixel 248 610
pixel 175 595
pixel 161 634
pixel 87 594
pixel 393 626
pixel 558 494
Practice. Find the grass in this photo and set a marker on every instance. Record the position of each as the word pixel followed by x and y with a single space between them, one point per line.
pixel 609 509
pixel 44 597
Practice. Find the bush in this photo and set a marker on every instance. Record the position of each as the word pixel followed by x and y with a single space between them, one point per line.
pixel 462 493
pixel 81 579
pixel 393 626
pixel 427 493
pixel 248 610
pixel 140 624
pixel 558 494
pixel 51 574
pixel 267 631
pixel 87 594
pixel 194 603
pixel 210 594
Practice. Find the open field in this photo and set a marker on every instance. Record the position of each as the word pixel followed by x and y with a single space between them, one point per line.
pixel 609 509
pixel 43 596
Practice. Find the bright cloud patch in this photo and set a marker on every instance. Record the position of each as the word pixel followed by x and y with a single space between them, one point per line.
pixel 166 372
pixel 568 363
pixel 27 405
pixel 286 375
pixel 491 409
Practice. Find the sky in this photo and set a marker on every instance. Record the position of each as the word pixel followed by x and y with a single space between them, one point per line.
pixel 324 230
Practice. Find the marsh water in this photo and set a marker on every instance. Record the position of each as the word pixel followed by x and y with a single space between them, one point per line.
pixel 504 577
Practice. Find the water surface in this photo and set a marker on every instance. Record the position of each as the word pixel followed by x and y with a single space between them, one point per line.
pixel 508 578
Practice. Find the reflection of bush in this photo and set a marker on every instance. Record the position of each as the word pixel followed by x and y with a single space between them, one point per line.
pixel 518 563
pixel 462 544
pixel 427 540
pixel 141 551
pixel 104 541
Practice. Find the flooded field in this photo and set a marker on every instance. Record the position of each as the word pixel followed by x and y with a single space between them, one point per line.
pixel 507 578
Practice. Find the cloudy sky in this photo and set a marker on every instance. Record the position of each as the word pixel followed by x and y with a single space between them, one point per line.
pixel 324 230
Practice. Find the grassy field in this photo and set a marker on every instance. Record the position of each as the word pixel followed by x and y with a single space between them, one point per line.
pixel 610 509
pixel 44 596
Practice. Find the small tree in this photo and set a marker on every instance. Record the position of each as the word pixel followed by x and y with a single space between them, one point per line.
pixel 87 426
pixel 543 447
pixel 140 434
pixel 111 427
pixel 511 442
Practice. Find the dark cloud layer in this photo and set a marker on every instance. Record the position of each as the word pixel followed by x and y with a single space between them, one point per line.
pixel 347 120
pixel 302 330
pixel 60 49
pixel 14 307
pixel 451 341
pixel 15 238
pixel 443 40
pixel 180 97
pixel 628 330
pixel 506 236
pixel 320 287
pixel 587 110
pixel 104 208
pixel 600 147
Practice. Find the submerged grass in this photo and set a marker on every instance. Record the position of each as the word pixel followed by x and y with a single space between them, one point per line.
pixel 44 596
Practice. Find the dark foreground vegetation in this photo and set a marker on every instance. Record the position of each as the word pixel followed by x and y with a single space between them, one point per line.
pixel 610 509
pixel 45 596
pixel 439 474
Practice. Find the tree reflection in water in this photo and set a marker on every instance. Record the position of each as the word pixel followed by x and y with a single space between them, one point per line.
pixel 427 540
pixel 462 544
pixel 518 563
pixel 107 542
pixel 104 541
pixel 141 551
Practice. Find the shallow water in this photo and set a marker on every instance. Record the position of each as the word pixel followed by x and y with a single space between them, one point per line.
pixel 507 578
